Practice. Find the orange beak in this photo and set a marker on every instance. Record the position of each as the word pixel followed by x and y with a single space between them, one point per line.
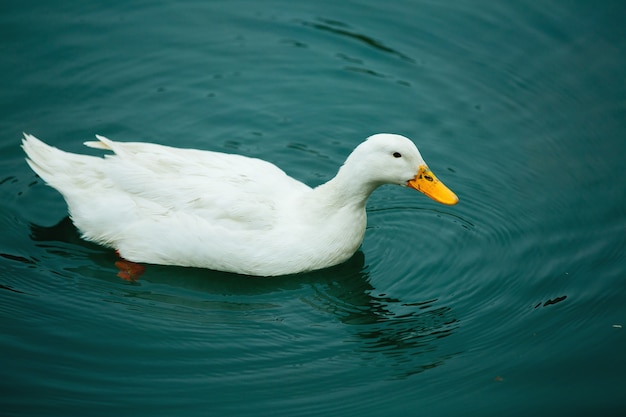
pixel 426 182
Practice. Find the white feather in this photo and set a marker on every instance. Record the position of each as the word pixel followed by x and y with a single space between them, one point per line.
pixel 164 205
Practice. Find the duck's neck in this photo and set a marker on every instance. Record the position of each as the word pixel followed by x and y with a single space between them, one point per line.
pixel 347 188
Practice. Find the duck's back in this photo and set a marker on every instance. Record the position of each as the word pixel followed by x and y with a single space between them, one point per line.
pixel 204 182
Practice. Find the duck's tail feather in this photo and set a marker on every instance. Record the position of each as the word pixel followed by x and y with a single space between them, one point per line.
pixel 42 158
pixel 50 163
pixel 101 143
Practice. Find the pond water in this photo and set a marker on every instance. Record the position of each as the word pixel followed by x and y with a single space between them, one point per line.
pixel 510 303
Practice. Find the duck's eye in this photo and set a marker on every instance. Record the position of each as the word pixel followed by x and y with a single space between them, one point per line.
pixel 397 155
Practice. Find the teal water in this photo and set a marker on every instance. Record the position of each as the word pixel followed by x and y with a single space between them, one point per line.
pixel 510 303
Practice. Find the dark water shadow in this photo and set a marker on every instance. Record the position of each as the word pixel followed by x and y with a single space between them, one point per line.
pixel 342 29
pixel 405 334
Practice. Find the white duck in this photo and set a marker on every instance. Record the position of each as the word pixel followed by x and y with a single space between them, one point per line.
pixel 162 205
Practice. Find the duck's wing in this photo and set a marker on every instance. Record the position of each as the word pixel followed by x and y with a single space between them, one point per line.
pixel 233 191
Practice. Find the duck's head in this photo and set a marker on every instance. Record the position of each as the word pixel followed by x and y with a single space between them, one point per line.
pixel 394 159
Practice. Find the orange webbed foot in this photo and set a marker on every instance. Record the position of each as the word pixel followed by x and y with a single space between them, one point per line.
pixel 128 270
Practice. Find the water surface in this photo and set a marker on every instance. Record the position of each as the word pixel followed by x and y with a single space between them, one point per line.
pixel 511 302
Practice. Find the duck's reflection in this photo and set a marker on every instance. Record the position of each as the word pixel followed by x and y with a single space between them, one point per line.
pixel 406 333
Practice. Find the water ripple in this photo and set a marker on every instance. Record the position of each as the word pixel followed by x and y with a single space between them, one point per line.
pixel 344 30
pixel 445 310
